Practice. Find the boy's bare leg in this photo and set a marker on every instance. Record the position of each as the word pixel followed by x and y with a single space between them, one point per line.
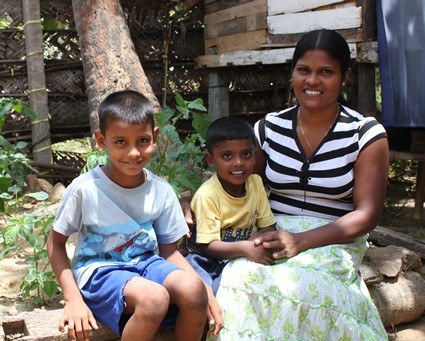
pixel 148 302
pixel 188 292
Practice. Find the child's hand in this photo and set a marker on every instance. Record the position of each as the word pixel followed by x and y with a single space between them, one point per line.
pixel 259 254
pixel 188 214
pixel 79 319
pixel 215 314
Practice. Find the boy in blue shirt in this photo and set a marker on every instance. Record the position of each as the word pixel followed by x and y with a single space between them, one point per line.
pixel 126 270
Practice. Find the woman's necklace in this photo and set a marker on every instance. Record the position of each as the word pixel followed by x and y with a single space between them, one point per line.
pixel 302 129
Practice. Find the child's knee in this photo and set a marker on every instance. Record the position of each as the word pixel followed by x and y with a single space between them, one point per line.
pixel 195 293
pixel 151 300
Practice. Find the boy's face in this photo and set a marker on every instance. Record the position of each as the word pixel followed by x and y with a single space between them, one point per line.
pixel 130 148
pixel 234 162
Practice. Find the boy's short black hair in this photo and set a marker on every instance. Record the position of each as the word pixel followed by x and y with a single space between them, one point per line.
pixel 228 128
pixel 127 105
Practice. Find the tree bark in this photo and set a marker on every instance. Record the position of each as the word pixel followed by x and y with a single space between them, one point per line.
pixel 109 58
pixel 37 92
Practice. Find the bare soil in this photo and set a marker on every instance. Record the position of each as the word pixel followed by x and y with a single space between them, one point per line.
pixel 398 215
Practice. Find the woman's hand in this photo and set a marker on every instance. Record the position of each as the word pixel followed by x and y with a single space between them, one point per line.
pixel 284 244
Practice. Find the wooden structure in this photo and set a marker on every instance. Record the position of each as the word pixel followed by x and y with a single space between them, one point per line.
pixel 264 32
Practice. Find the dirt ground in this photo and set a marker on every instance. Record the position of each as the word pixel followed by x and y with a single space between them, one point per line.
pixel 398 216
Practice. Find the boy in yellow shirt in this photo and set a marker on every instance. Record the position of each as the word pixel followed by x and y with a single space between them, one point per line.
pixel 232 206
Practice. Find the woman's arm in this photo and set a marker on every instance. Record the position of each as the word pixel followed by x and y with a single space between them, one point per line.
pixel 370 183
pixel 76 314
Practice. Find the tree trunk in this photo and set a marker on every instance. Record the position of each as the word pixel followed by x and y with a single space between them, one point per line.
pixel 109 58
pixel 40 127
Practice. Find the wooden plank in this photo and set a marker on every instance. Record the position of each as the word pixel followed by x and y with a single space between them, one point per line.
pixel 279 6
pixel 267 57
pixel 252 22
pixel 335 19
pixel 288 40
pixel 367 52
pixel 407 155
pixel 243 58
pixel 218 5
pixel 242 10
pixel 237 42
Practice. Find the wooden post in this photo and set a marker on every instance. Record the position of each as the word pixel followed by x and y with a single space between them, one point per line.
pixel 40 127
pixel 218 93
pixel 420 191
pixel 366 72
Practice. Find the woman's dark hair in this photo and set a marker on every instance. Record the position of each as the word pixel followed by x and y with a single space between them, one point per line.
pixel 127 105
pixel 328 40
pixel 228 128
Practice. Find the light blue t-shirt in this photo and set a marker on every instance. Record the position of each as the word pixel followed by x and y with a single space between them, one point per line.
pixel 117 225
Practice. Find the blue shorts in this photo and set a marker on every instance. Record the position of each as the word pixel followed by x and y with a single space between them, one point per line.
pixel 209 269
pixel 103 293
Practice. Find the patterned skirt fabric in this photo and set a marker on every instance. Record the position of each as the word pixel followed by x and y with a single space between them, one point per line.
pixel 316 295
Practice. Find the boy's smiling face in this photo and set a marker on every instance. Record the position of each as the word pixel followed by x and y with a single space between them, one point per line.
pixel 130 146
pixel 234 162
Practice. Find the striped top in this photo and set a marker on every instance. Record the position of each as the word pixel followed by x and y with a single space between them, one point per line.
pixel 322 186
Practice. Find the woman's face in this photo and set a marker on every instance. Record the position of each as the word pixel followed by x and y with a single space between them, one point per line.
pixel 317 80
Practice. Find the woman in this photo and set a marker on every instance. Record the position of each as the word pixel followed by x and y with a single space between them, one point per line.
pixel 326 168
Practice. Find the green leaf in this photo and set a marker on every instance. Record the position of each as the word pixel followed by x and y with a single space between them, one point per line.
pixel 197 104
pixel 179 100
pixel 6 108
pixel 50 288
pixel 21 145
pixel 39 196
pixel 200 123
pixel 10 234
pixel 183 111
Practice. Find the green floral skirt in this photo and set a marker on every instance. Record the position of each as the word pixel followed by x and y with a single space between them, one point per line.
pixel 316 295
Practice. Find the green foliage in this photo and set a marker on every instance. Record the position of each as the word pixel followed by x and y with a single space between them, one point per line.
pixel 181 160
pixel 14 165
pixel 97 157
pixel 27 236
pixel 5 22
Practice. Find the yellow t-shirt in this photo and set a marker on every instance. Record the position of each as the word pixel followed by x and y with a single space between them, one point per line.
pixel 220 216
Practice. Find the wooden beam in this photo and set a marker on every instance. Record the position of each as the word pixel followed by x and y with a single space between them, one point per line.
pixel 37 91
pixel 278 56
pixel 334 19
pixel 279 6
pixel 189 4
pixel 251 40
pixel 218 93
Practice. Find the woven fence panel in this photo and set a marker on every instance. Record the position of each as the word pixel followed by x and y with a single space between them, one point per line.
pixel 258 90
pixel 12 45
pixel 68 112
pixel 67 81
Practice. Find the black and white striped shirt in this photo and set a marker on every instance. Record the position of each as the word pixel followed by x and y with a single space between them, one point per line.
pixel 322 186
